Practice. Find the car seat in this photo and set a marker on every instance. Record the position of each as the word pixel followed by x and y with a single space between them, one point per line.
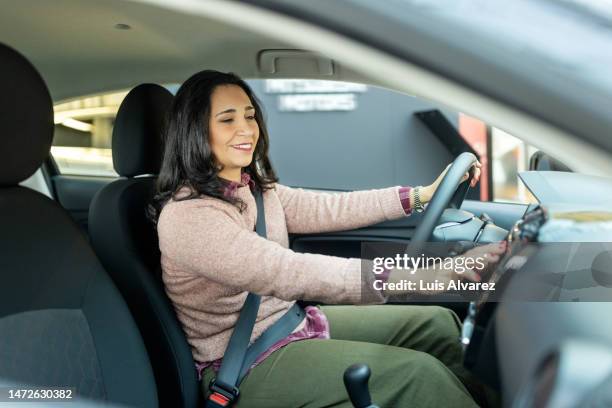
pixel 63 323
pixel 126 241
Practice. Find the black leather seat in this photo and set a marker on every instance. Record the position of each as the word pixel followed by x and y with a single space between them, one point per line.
pixel 126 241
pixel 62 321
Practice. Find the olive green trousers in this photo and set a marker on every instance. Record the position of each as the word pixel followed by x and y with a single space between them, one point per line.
pixel 413 353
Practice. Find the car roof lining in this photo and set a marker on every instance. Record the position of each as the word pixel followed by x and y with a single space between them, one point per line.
pixel 162 46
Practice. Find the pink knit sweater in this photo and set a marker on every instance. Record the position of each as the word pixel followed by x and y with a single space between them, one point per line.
pixel 212 257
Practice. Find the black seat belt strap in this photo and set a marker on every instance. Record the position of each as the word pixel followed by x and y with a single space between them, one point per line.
pixel 239 341
pixel 224 390
pixel 279 330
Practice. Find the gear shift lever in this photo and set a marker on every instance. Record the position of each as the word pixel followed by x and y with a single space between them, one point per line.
pixel 356 379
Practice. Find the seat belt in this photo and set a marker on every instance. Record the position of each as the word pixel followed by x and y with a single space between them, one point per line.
pixel 239 356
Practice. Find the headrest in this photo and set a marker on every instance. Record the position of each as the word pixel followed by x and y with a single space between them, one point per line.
pixel 26 118
pixel 137 133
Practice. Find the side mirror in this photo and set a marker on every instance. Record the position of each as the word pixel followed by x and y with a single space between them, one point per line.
pixel 541 161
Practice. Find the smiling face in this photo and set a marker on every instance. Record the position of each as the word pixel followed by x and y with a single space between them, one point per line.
pixel 233 130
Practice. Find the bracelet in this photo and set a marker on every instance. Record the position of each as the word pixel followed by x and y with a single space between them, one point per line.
pixel 418 204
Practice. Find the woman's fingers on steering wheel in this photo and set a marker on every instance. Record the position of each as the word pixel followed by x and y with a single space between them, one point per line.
pixel 477 171
pixel 477 166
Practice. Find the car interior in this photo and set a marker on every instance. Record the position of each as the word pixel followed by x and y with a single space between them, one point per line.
pixel 81 296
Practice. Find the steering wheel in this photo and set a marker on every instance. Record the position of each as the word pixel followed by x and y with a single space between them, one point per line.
pixel 450 194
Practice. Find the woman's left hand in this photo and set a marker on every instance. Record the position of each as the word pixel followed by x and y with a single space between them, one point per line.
pixel 428 191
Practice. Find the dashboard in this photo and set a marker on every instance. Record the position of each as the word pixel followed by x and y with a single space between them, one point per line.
pixel 560 187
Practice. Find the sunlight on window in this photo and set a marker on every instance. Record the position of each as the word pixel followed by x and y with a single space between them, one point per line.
pixel 87 161
pixel 83 134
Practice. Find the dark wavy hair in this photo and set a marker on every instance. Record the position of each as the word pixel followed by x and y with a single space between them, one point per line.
pixel 188 159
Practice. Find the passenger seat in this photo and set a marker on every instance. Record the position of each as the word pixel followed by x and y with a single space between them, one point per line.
pixel 62 321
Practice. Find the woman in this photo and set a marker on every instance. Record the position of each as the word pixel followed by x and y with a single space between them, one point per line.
pixel 216 154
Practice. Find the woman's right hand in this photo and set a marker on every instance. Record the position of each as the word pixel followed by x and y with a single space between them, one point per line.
pixel 489 255
pixel 483 257
pixel 435 279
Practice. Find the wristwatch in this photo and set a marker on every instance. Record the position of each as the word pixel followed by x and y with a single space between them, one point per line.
pixel 418 204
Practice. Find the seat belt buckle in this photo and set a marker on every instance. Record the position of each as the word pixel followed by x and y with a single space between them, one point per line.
pixel 222 396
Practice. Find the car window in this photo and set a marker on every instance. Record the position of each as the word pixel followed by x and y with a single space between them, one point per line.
pixel 82 141
pixel 83 132
pixel 324 135
pixel 346 136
